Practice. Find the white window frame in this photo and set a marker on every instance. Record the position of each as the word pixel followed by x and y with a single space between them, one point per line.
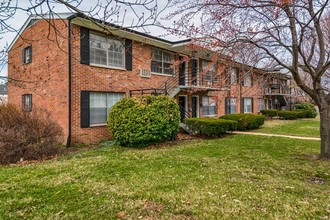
pixel 232 100
pixel 245 108
pixel 247 79
pixel 27 102
pixel 209 71
pixel 109 42
pixel 161 61
pixel 107 106
pixel 261 107
pixel 233 76
pixel 27 55
pixel 211 102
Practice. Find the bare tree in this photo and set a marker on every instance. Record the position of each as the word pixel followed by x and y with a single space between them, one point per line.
pixel 285 33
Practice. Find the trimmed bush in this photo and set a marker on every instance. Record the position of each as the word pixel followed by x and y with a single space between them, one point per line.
pixel 310 111
pixel 269 113
pixel 210 127
pixel 144 120
pixel 246 121
pixel 295 114
pixel 27 135
pixel 290 115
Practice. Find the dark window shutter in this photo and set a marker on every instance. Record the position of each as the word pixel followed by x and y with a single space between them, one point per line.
pixel 23 102
pixel 194 67
pixel 84 109
pixel 194 72
pixel 23 55
pixel 252 105
pixel 242 105
pixel 251 79
pixel 30 54
pixel 128 55
pixel 227 105
pixel 30 102
pixel 84 45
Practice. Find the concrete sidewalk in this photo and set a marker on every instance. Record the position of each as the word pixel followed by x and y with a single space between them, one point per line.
pixel 276 135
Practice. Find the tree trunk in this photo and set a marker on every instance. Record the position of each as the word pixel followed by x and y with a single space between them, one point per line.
pixel 325 131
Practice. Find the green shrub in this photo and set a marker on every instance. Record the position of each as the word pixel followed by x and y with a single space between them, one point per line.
pixel 246 121
pixel 144 120
pixel 269 113
pixel 210 127
pixel 310 111
pixel 27 135
pixel 295 114
pixel 290 115
pixel 305 105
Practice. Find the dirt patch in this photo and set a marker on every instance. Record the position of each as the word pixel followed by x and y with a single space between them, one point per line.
pixel 316 180
pixel 153 207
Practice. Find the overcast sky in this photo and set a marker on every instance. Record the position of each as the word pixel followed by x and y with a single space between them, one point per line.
pixel 20 16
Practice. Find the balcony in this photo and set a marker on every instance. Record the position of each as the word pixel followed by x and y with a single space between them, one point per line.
pixel 274 86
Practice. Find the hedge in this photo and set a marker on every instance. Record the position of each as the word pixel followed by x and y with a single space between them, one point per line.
pixel 269 113
pixel 310 111
pixel 289 115
pixel 246 121
pixel 211 127
pixel 295 114
pixel 144 120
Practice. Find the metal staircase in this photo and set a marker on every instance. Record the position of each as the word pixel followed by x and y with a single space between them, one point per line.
pixel 175 84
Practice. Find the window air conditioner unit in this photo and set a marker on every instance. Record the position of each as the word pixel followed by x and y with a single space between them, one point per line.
pixel 145 73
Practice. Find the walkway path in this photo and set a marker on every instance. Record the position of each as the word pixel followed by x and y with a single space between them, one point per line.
pixel 276 135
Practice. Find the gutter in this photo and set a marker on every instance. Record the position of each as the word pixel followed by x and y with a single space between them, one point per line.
pixel 69 144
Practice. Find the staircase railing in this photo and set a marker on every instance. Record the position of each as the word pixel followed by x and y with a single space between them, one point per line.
pixel 184 113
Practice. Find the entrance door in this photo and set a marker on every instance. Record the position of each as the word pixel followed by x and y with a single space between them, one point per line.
pixel 195 107
pixel 182 73
pixel 183 105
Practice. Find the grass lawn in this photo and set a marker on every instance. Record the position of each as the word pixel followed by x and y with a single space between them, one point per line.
pixel 237 177
pixel 301 127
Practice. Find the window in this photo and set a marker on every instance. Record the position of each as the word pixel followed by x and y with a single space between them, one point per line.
pixel 233 76
pixel 209 106
pixel 208 71
pixel 247 79
pixel 106 51
pixel 231 105
pixel 247 104
pixel 100 104
pixel 27 55
pixel 27 102
pixel 162 61
pixel 261 105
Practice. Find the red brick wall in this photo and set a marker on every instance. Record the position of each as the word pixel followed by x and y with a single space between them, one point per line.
pixel 48 74
pixel 92 78
pixel 46 77
pixel 239 91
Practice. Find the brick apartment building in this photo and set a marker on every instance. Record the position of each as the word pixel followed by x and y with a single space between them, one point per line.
pixel 77 68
